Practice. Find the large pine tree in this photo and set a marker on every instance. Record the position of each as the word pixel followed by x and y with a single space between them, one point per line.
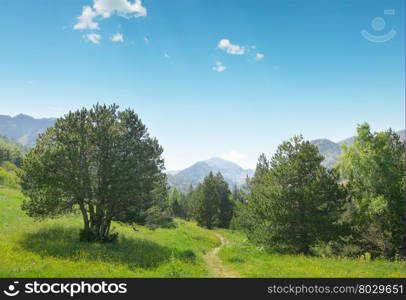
pixel 101 161
pixel 211 203
pixel 293 201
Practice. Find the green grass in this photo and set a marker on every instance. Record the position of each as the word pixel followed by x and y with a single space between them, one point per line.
pixel 250 261
pixel 51 248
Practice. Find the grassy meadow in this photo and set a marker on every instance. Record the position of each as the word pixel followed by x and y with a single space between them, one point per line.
pixel 251 261
pixel 51 248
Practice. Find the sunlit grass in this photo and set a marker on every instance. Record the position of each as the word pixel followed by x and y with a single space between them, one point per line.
pixel 251 261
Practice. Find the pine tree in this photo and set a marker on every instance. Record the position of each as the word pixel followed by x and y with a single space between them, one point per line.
pixel 293 201
pixel 101 161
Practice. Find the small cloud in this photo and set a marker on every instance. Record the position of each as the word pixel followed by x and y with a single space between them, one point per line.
pixel 227 46
pixel 166 55
pixel 219 67
pixel 118 37
pixel 146 40
pixel 103 9
pixel 93 37
pixel 259 56
pixel 86 19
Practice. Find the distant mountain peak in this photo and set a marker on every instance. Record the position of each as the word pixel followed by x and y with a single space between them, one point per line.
pixel 193 175
pixel 23 116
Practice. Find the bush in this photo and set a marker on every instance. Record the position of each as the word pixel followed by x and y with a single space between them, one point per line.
pixel 323 249
pixel 158 218
pixel 187 256
pixel 8 176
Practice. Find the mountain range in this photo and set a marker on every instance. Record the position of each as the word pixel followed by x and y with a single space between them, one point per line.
pixel 24 130
pixel 235 175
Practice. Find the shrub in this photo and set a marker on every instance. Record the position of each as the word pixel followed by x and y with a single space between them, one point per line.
pixel 8 177
pixel 158 218
pixel 188 256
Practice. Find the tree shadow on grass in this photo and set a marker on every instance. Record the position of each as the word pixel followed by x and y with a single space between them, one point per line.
pixel 64 243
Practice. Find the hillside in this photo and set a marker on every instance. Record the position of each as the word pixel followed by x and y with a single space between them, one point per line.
pixel 330 150
pixel 23 129
pixel 232 173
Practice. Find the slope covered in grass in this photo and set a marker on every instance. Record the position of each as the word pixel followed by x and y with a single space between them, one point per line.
pixel 51 248
pixel 251 261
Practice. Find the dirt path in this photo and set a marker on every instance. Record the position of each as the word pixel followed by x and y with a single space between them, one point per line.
pixel 216 267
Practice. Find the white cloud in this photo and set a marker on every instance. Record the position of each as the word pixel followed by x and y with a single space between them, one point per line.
pixel 227 46
pixel 166 55
pixel 146 40
pixel 123 8
pixel 219 67
pixel 235 156
pixel 259 56
pixel 93 37
pixel 118 37
pixel 106 8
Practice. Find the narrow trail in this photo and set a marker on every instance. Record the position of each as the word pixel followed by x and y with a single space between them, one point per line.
pixel 214 264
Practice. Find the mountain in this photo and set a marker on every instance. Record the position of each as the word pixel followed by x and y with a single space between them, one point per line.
pixel 232 173
pixel 24 129
pixel 331 151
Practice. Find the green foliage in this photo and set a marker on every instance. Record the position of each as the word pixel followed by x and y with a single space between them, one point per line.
pixel 210 202
pixel 101 161
pixel 8 177
pixel 158 218
pixel 293 201
pixel 373 171
pixel 10 151
pixel 178 204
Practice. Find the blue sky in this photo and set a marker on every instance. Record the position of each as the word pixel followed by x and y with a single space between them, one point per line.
pixel 209 77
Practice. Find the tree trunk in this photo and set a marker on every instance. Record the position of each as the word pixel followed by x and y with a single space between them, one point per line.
pixel 92 217
pixel 85 217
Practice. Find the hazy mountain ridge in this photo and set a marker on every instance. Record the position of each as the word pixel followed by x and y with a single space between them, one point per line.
pixel 235 175
pixel 24 129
